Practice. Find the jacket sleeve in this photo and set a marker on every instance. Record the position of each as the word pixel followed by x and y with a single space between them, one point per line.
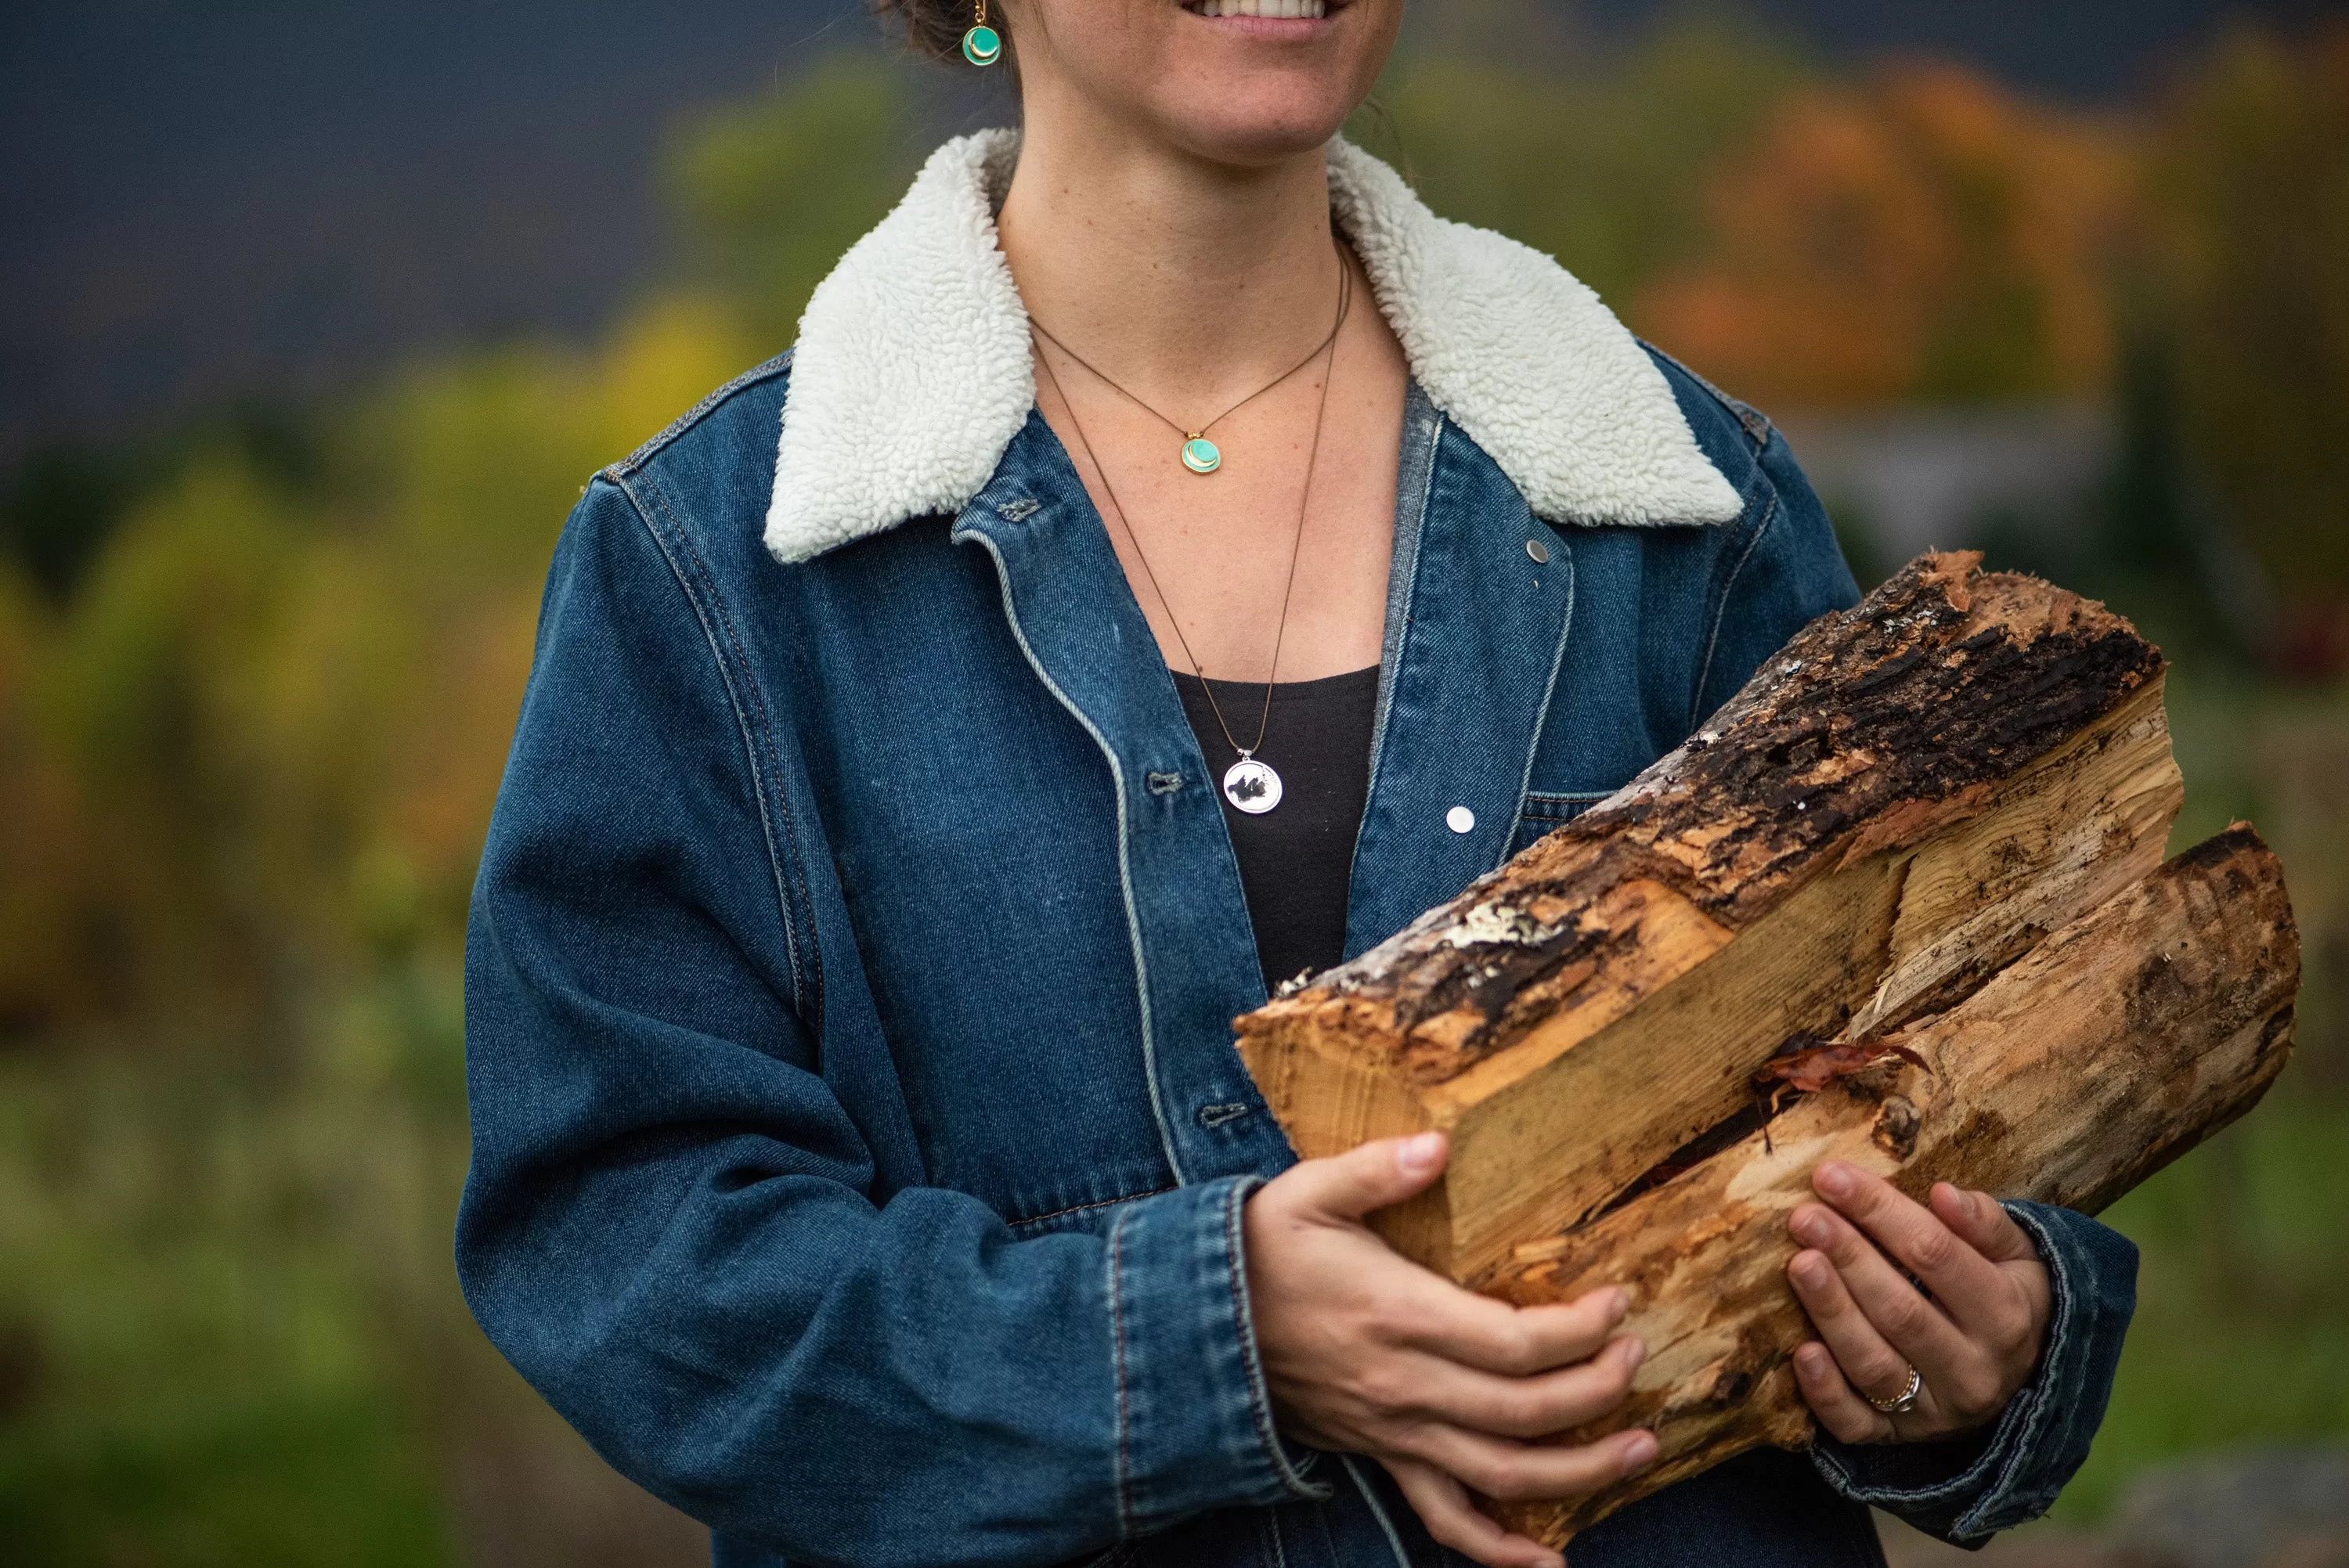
pixel 1965 1492
pixel 673 1225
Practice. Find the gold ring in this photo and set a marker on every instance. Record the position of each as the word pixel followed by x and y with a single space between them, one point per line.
pixel 1904 1401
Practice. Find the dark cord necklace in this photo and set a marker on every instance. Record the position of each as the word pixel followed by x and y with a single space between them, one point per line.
pixel 1250 784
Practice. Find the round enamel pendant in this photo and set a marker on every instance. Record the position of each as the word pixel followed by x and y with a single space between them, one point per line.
pixel 1202 456
pixel 982 46
pixel 1251 787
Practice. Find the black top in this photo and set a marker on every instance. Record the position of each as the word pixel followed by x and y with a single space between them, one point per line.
pixel 1297 861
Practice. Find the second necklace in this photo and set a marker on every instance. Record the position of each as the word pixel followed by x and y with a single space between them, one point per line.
pixel 1250 784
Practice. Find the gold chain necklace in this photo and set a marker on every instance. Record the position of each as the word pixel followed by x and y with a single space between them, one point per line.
pixel 1250 784
pixel 1200 455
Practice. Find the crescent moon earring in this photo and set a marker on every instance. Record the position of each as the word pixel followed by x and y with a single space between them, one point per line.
pixel 982 46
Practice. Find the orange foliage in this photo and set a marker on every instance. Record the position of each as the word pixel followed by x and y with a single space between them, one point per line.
pixel 1925 237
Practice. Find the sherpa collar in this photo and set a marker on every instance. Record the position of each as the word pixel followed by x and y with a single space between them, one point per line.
pixel 912 373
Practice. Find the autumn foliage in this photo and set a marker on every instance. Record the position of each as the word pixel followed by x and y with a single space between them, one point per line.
pixel 1922 237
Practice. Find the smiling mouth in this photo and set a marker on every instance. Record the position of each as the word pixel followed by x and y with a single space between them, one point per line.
pixel 1270 10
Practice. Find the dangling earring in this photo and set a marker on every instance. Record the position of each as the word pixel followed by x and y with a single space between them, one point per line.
pixel 982 46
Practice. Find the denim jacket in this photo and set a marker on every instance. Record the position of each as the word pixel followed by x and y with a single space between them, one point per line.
pixel 859 1143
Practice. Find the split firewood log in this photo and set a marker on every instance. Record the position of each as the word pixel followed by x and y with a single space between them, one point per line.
pixel 1899 808
pixel 1896 806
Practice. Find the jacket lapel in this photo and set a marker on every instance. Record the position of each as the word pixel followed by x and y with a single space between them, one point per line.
pixel 1477 627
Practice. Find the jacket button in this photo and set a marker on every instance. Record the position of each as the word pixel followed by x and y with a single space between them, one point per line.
pixel 1537 549
pixel 1460 820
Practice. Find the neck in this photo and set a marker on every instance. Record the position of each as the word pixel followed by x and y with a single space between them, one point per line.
pixel 1182 278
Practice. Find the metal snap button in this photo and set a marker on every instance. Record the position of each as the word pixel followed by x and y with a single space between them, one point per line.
pixel 1460 820
pixel 1538 551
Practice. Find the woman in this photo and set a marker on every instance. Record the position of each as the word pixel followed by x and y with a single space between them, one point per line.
pixel 1185 559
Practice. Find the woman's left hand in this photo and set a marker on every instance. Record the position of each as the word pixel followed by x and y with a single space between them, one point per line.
pixel 1973 1340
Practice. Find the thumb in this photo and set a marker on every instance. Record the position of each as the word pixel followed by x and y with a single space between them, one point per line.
pixel 1348 1186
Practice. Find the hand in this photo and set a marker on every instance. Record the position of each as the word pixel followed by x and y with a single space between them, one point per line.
pixel 1973 1340
pixel 1366 1352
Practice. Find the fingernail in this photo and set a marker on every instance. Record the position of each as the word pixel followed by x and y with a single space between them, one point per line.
pixel 1639 1452
pixel 1418 1154
pixel 1835 1180
pixel 1634 1352
pixel 1812 1358
pixel 1810 1270
pixel 1812 1226
pixel 1617 1305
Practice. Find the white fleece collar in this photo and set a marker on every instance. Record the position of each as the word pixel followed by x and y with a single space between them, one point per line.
pixel 912 373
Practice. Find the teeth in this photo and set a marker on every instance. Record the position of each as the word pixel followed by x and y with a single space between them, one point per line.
pixel 1282 8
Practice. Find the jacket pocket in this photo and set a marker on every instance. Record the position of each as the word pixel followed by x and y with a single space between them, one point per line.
pixel 1545 811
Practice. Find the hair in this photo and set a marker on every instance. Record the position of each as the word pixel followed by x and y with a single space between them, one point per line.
pixel 933 28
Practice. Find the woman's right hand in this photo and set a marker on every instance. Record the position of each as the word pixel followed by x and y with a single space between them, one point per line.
pixel 1367 1353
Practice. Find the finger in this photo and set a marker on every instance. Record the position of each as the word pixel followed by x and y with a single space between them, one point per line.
pixel 1350 1185
pixel 1952 1270
pixel 1913 1323
pixel 1869 1360
pixel 1521 1472
pixel 1493 1336
pixel 1532 1406
pixel 1444 1506
pixel 1982 1223
pixel 1834 1401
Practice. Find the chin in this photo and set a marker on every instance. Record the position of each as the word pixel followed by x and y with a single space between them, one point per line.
pixel 1244 82
pixel 1257 81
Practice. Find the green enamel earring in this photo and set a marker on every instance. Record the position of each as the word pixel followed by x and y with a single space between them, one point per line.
pixel 982 46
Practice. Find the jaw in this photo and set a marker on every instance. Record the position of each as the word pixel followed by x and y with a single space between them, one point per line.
pixel 1246 83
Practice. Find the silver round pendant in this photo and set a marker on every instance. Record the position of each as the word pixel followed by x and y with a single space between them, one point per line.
pixel 1251 787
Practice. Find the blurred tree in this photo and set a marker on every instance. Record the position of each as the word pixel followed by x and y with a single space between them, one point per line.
pixel 773 191
pixel 249 762
pixel 1926 237
pixel 59 504
pixel 2252 184
pixel 1596 162
pixel 46 947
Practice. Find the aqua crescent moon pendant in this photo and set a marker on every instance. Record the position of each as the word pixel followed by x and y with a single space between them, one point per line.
pixel 1202 456
pixel 982 46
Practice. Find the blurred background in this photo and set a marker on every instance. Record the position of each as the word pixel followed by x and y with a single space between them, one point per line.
pixel 313 318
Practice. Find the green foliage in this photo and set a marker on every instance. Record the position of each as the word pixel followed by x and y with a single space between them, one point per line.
pixel 2238 1338
pixel 1601 168
pixel 775 191
pixel 209 1349
pixel 2252 178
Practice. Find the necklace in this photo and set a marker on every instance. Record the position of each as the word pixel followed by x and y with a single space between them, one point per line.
pixel 1250 784
pixel 1200 455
